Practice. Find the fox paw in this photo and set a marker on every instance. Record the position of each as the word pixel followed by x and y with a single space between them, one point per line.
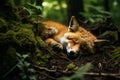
pixel 58 46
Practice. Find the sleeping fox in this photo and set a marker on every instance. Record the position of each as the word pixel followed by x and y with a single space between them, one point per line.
pixel 74 39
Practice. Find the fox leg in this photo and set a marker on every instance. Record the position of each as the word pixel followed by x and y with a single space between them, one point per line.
pixel 54 43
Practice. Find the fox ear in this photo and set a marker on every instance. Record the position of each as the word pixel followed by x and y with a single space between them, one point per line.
pixel 73 24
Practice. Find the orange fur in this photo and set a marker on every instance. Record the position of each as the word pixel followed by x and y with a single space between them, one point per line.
pixel 72 41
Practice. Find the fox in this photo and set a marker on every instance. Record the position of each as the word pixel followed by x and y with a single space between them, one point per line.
pixel 73 38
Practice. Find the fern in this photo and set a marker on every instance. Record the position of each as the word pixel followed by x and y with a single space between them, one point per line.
pixel 26 72
pixel 115 56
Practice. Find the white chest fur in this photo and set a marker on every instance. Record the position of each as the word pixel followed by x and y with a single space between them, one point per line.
pixel 63 41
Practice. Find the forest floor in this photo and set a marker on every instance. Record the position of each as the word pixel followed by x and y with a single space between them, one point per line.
pixel 105 61
pixel 25 56
pixel 104 66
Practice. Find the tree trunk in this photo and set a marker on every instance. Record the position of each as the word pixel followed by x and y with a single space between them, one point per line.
pixel 74 8
pixel 106 5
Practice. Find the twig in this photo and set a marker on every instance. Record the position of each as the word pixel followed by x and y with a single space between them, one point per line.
pixel 116 75
pixel 43 68
pixel 10 70
pixel 62 57
pixel 53 78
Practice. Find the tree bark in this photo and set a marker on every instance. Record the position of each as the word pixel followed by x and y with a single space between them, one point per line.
pixel 74 7
pixel 106 5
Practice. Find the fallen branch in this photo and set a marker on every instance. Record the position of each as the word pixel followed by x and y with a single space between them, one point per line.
pixel 116 75
pixel 51 77
pixel 43 68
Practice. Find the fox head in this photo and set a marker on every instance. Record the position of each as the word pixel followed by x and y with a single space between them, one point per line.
pixel 73 37
pixel 78 39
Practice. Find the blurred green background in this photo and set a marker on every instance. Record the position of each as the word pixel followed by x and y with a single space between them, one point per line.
pixel 61 10
pixel 92 10
pixel 21 44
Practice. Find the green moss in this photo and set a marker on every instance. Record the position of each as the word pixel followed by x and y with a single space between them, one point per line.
pixel 3 22
pixel 71 66
pixel 27 26
pixel 10 36
pixel 40 42
pixel 25 36
pixel 3 25
pixel 21 38
pixel 7 38
pixel 40 58
pixel 24 39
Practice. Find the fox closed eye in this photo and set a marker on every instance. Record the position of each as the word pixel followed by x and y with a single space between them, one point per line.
pixel 73 42
pixel 74 39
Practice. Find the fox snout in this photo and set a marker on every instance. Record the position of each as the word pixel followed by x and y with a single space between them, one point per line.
pixel 72 54
pixel 72 51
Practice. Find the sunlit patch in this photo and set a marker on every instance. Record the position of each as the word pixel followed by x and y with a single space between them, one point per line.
pixel 64 5
pixel 45 4
pixel 115 3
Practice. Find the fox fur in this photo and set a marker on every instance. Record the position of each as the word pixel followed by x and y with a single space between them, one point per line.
pixel 73 38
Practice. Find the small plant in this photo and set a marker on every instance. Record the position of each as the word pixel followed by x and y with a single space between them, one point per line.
pixel 71 66
pixel 26 72
pixel 79 74
pixel 115 56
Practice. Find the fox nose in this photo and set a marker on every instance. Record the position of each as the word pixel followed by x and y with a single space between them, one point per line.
pixel 71 53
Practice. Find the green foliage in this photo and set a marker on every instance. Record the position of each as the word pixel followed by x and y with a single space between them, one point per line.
pixel 115 56
pixel 26 72
pixel 113 34
pixel 40 57
pixel 115 5
pixel 20 42
pixel 33 10
pixel 71 66
pixel 95 11
pixel 9 60
pixel 79 74
pixel 36 10
pixel 55 10
pixel 95 14
pixel 25 9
